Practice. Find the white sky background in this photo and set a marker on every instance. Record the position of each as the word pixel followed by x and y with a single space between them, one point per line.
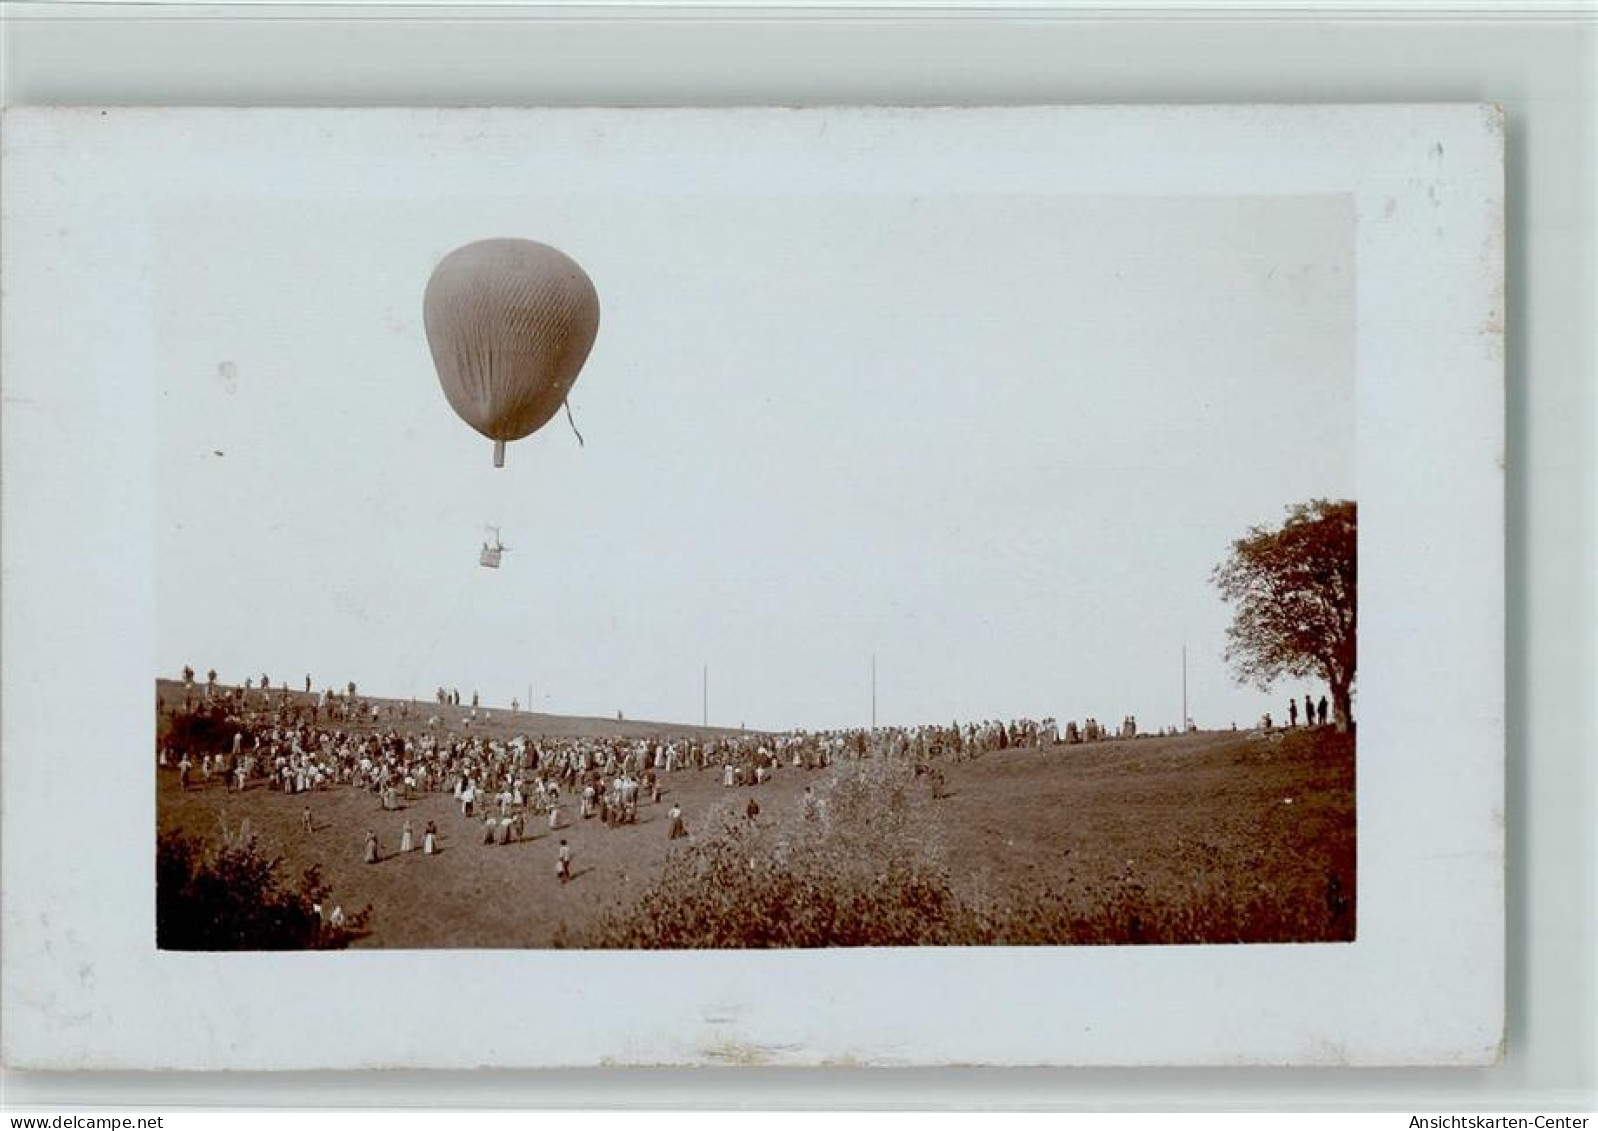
pixel 998 441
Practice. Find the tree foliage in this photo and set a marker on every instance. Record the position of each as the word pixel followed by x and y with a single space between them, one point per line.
pixel 231 896
pixel 207 730
pixel 1294 589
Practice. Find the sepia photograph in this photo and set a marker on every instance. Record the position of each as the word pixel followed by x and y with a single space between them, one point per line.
pixel 787 586
pixel 734 568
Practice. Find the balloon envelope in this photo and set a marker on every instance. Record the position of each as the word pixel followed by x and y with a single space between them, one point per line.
pixel 510 323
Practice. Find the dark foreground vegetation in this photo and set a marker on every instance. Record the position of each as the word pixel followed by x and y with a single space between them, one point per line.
pixel 228 894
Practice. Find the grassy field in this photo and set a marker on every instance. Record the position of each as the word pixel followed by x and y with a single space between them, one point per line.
pixel 1205 837
pixel 1213 837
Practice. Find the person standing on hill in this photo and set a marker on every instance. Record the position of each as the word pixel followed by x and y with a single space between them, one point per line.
pixel 371 847
pixel 809 807
pixel 1309 710
pixel 1320 710
pixel 1292 712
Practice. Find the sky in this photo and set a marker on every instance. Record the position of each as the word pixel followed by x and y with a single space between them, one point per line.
pixel 997 442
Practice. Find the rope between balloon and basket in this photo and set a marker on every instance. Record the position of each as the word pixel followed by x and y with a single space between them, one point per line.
pixel 573 423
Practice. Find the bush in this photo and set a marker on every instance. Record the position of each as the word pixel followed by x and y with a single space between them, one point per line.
pixel 231 897
pixel 198 732
pixel 858 869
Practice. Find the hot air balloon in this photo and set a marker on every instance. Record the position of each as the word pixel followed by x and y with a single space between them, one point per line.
pixel 510 323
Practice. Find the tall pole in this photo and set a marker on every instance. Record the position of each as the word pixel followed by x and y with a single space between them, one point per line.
pixel 704 696
pixel 873 691
pixel 1184 689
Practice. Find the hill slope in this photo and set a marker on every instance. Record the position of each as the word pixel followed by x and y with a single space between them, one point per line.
pixel 494 722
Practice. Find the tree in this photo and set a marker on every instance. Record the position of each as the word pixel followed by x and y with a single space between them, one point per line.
pixel 1294 589
pixel 232 896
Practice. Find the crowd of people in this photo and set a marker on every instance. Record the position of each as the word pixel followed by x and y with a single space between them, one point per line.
pixel 254 736
pixel 256 700
pixel 1315 714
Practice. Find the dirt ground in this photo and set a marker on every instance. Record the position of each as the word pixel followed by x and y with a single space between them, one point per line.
pixel 468 893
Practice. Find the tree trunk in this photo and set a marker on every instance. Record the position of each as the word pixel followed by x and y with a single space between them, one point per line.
pixel 1343 706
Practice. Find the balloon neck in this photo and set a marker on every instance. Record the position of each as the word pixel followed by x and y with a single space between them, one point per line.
pixel 499 453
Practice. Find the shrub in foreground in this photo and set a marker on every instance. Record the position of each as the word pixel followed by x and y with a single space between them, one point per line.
pixel 856 868
pixel 232 896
